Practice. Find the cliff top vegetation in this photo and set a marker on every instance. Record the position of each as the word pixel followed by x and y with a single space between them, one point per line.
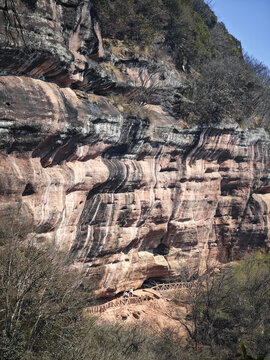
pixel 227 83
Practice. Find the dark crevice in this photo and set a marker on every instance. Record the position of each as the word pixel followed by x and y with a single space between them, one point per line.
pixel 148 283
pixel 114 151
pixel 161 249
pixel 168 169
pixel 25 129
pixel 28 190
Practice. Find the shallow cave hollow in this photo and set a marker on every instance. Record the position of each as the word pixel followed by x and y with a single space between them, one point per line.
pixel 148 283
pixel 161 249
pixel 28 190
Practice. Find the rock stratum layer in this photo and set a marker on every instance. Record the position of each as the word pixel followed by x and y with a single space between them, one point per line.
pixel 133 197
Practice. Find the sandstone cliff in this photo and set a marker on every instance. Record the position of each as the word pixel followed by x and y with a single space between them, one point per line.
pixel 132 194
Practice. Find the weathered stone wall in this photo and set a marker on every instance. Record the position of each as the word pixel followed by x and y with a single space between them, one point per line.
pixel 133 197
pixel 47 38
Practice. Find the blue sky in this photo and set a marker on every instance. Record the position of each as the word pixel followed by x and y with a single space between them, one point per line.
pixel 249 22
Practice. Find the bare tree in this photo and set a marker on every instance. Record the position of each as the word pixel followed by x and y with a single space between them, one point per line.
pixel 145 84
pixel 40 298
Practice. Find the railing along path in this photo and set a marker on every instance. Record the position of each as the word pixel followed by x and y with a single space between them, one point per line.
pixel 117 303
pixel 171 286
pixel 137 299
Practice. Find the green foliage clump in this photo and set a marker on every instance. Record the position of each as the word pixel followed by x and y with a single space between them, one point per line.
pixel 245 356
pixel 129 20
pixel 205 12
pixel 188 36
pixel 236 46
pixel 182 26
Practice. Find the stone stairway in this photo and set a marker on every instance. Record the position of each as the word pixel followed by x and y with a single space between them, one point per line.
pixel 140 296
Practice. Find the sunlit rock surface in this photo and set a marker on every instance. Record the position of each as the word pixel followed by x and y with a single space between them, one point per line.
pixel 132 197
pixel 48 38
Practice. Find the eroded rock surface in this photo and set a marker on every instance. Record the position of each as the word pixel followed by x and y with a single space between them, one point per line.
pixel 51 39
pixel 132 198
pixel 132 194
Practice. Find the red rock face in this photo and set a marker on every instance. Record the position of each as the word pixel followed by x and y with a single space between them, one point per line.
pixel 49 39
pixel 132 199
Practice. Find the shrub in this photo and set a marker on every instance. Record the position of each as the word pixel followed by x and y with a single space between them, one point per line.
pixel 232 306
pixel 41 307
pixel 183 24
pixel 130 20
pixel 229 87
pixel 224 44
pixel 205 12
